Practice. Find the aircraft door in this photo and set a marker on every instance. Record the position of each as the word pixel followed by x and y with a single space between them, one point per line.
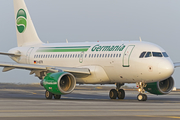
pixel 127 54
pixel 28 55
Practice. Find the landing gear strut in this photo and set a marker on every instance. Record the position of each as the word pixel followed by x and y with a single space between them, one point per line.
pixel 141 96
pixel 117 93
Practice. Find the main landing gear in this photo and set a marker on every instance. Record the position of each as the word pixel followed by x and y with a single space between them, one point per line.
pixel 49 95
pixel 141 96
pixel 117 93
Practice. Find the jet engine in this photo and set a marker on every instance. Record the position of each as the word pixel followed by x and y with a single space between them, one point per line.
pixel 60 83
pixel 161 87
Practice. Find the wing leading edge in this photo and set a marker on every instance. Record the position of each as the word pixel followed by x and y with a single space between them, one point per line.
pixel 177 64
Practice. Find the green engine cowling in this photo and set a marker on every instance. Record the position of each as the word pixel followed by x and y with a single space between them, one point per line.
pixel 161 87
pixel 60 83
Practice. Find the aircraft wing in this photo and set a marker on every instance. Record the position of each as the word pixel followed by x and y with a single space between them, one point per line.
pixel 41 70
pixel 177 64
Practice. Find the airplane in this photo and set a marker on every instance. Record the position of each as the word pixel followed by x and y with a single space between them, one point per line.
pixel 60 66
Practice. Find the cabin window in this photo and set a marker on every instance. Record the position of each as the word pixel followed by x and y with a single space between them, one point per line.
pixel 157 54
pixel 114 55
pixel 142 54
pixel 102 55
pixel 85 55
pixel 99 55
pixel 105 55
pixel 148 54
pixel 89 55
pixel 108 55
pixel 111 55
pixel 119 55
pixel 94 55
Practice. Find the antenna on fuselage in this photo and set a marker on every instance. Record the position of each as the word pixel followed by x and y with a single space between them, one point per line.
pixel 140 39
pixel 66 41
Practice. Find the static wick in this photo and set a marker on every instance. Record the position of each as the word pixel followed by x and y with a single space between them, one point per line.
pixel 66 41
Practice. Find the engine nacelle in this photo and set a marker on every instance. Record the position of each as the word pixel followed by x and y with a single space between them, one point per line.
pixel 161 87
pixel 59 83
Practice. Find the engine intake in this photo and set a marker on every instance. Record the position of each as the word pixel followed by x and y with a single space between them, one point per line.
pixel 59 83
pixel 161 87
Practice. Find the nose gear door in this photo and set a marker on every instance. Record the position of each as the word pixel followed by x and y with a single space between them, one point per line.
pixel 126 56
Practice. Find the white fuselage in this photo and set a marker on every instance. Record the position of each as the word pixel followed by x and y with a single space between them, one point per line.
pixel 109 62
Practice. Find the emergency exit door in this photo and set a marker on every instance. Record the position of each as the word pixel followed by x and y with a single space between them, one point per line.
pixel 127 55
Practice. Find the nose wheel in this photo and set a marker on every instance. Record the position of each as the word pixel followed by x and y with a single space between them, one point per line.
pixel 141 96
pixel 117 93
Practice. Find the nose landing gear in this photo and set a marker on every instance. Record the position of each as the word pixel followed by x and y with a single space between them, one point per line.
pixel 117 93
pixel 141 96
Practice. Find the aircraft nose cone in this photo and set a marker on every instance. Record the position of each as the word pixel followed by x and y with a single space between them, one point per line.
pixel 166 69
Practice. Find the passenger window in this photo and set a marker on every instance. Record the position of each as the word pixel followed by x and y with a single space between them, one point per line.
pixel 92 56
pixel 165 54
pixel 157 54
pixel 99 55
pixel 85 55
pixel 111 55
pixel 119 55
pixel 103 55
pixel 95 55
pixel 142 54
pixel 89 55
pixel 34 56
pixel 108 55
pixel 149 54
pixel 116 55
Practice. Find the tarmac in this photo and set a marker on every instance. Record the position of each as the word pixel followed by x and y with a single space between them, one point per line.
pixel 27 102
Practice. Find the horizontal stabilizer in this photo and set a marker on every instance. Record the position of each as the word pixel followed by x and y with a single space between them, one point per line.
pixel 10 54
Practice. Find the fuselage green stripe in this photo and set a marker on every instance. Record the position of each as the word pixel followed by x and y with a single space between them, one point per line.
pixel 63 50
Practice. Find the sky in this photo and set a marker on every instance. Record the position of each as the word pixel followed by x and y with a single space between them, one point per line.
pixel 156 21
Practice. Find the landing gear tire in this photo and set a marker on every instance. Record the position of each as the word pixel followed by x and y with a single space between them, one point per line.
pixel 57 96
pixel 113 94
pixel 121 94
pixel 142 97
pixel 48 95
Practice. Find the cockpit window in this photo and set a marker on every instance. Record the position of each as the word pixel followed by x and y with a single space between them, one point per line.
pixel 165 54
pixel 149 54
pixel 157 54
pixel 142 54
